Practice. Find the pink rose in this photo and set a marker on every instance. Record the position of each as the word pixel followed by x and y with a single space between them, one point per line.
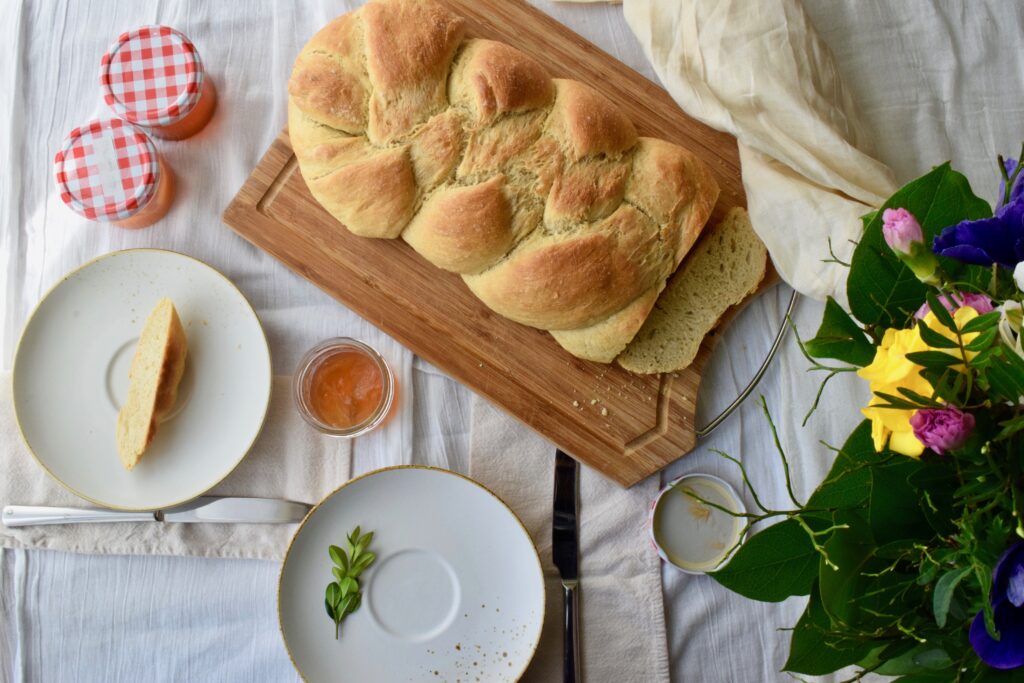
pixel 979 302
pixel 901 230
pixel 942 429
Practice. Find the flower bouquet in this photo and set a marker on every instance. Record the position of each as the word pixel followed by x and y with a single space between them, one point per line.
pixel 911 549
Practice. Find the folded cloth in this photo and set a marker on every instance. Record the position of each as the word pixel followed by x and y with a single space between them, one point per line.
pixel 761 72
pixel 289 460
pixel 622 612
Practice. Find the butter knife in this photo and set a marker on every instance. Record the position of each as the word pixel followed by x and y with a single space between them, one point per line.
pixel 213 509
pixel 565 553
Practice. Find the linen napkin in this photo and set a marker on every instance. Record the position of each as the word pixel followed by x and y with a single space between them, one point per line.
pixel 761 72
pixel 622 611
pixel 289 460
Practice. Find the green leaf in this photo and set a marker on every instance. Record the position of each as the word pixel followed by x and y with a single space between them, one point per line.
pixel 933 359
pixel 881 290
pixel 816 649
pixel 338 572
pixel 338 556
pixel 860 589
pixel 941 313
pixel 984 576
pixel 366 540
pixel 331 598
pixel 344 606
pixel 982 322
pixel 935 339
pixel 848 484
pixel 772 565
pixel 1010 427
pixel 348 585
pixel 943 594
pixel 357 601
pixel 924 677
pixel 983 340
pixel 919 399
pixel 1005 375
pixel 894 510
pixel 987 675
pixel 890 401
pixel 924 658
pixel 840 338
pixel 934 486
pixel 360 565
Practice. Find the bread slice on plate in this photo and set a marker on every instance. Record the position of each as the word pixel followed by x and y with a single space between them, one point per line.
pixel 725 267
pixel 153 379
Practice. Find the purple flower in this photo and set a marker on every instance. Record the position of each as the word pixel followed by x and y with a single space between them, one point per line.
pixel 1006 598
pixel 942 429
pixel 904 236
pixel 901 230
pixel 979 302
pixel 999 239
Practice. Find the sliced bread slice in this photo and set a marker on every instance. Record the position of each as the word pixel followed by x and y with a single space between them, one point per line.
pixel 725 267
pixel 156 369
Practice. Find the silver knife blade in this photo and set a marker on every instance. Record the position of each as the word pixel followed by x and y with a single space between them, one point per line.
pixel 227 510
pixel 564 529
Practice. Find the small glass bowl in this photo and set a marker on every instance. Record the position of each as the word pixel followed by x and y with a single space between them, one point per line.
pixel 730 543
pixel 304 376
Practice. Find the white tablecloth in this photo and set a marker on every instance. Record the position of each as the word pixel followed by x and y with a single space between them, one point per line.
pixel 947 75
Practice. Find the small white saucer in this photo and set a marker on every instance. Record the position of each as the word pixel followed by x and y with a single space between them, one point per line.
pixel 456 592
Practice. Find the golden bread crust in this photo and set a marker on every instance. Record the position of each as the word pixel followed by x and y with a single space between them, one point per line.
pixel 464 229
pixel 538 191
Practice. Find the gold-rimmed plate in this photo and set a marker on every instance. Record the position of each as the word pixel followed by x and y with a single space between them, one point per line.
pixel 71 376
pixel 456 591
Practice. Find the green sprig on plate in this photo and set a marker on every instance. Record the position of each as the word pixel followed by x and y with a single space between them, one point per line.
pixel 344 595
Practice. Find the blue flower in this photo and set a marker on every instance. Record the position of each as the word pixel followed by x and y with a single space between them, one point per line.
pixel 999 239
pixel 1007 599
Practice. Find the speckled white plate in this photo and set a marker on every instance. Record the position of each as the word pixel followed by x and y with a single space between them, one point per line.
pixel 456 593
pixel 71 375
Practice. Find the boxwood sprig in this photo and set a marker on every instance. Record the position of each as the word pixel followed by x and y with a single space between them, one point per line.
pixel 344 594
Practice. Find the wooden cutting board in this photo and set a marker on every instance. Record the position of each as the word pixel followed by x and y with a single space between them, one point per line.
pixel 626 426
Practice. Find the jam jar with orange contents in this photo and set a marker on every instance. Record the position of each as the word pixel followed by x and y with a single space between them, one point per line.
pixel 344 388
pixel 109 171
pixel 153 78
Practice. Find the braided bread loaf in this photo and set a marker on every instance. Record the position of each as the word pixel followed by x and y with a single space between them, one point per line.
pixel 537 191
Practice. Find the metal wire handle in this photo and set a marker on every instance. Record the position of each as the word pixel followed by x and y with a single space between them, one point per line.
pixel 731 408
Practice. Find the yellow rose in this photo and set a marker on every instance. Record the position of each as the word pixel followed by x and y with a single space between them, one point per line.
pixel 890 370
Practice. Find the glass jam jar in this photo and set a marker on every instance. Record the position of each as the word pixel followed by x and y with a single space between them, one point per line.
pixel 109 171
pixel 344 388
pixel 153 78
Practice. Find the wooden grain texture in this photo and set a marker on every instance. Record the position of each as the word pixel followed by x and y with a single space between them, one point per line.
pixel 626 426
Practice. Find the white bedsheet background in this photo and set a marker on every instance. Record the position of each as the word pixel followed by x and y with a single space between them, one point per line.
pixel 934 81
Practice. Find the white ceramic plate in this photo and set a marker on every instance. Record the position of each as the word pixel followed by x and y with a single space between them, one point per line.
pixel 456 592
pixel 71 375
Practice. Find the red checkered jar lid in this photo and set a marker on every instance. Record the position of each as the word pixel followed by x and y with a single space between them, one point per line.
pixel 107 170
pixel 152 76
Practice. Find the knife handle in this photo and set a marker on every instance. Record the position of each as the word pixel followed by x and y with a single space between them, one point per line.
pixel 29 515
pixel 571 648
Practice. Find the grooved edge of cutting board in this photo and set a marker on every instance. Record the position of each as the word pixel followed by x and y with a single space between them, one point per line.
pixel 626 426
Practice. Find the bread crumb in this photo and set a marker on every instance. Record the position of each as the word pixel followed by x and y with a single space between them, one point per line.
pixel 604 412
pixel 593 401
pixel 575 404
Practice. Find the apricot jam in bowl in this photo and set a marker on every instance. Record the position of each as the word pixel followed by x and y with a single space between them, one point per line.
pixel 344 388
